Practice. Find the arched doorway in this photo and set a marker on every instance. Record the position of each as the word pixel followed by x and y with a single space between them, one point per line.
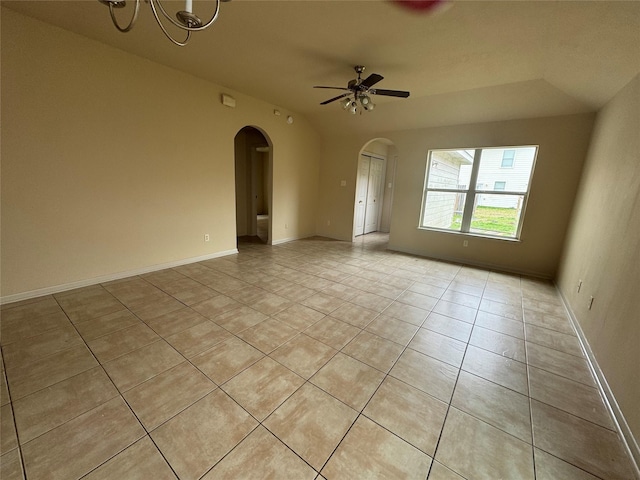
pixel 375 183
pixel 253 168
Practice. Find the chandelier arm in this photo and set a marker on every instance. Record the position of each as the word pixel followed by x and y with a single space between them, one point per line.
pixel 133 17
pixel 164 30
pixel 213 18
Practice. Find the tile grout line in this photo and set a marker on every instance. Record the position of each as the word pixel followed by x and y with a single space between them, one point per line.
pixel 260 423
pixel 526 357
pixel 13 417
pixel 531 399
pixel 121 395
pixel 366 403
pixel 337 399
pixel 435 451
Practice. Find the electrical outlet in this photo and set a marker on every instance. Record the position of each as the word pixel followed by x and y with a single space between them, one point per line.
pixel 328 223
pixel 206 237
pixel 286 225
pixel 465 243
pixel 579 285
pixel 590 302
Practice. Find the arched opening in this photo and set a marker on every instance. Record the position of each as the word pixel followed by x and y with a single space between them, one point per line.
pixel 253 168
pixel 375 183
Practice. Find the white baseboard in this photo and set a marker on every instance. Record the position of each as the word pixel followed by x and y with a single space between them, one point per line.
pixel 465 261
pixel 110 277
pixel 626 435
pixel 290 239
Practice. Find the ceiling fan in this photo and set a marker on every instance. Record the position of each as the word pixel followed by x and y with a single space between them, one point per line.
pixel 359 91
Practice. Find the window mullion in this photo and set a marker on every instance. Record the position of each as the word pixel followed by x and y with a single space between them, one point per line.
pixel 471 193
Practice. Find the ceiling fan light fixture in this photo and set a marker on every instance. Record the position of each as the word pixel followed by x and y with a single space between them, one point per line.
pixel 366 102
pixel 346 103
pixel 359 91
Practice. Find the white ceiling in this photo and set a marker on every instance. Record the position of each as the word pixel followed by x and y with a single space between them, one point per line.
pixel 471 61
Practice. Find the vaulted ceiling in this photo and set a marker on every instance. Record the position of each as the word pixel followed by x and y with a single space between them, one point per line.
pixel 471 61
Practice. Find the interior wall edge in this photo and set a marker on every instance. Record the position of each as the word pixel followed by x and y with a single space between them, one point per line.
pixel 622 426
pixel 338 238
pixel 280 241
pixel 40 292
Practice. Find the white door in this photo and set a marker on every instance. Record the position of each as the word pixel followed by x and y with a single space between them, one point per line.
pixel 362 186
pixel 374 195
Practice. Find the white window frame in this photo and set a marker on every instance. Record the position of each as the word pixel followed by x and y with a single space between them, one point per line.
pixel 473 191
pixel 513 159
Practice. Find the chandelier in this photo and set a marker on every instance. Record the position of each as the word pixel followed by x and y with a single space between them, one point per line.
pixel 186 19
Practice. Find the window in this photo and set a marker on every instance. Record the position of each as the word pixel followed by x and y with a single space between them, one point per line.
pixel 508 157
pixel 465 190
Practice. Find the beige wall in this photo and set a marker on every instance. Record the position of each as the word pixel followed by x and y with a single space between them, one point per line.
pixel 563 145
pixel 603 249
pixel 111 163
pixel 390 180
pixel 336 203
pixel 242 184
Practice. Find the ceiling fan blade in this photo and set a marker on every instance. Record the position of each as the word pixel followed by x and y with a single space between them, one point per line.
pixel 371 80
pixel 335 98
pixel 389 93
pixel 332 88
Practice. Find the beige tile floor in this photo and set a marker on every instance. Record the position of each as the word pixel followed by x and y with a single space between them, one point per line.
pixel 312 359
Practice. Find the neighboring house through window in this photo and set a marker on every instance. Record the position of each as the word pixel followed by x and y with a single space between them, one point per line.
pixel 465 190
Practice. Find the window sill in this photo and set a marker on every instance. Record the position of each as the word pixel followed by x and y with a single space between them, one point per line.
pixel 469 234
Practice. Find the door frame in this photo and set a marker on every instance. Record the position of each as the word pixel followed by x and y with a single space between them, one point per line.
pixel 382 190
pixel 251 201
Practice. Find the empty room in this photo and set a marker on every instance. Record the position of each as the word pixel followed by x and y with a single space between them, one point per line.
pixel 320 239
